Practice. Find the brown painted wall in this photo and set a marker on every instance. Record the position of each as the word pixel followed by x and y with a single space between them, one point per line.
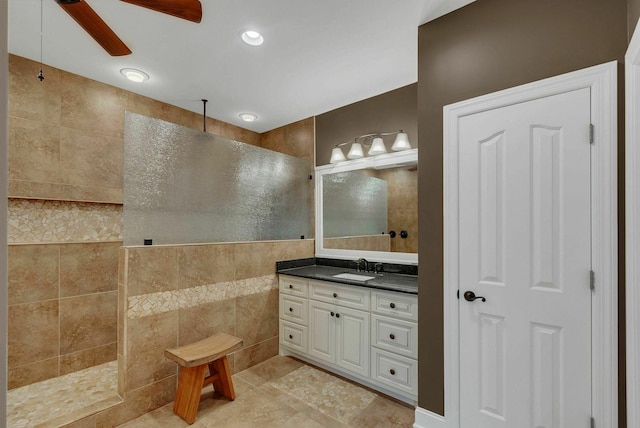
pixel 390 111
pixel 481 48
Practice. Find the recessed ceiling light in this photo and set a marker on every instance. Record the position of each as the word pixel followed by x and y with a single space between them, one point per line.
pixel 248 117
pixel 252 38
pixel 134 75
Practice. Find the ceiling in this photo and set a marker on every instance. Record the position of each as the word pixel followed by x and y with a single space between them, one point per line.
pixel 317 55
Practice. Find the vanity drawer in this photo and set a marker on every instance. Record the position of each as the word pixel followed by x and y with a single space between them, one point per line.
pixel 294 336
pixel 351 297
pixel 294 309
pixel 397 305
pixel 393 335
pixel 394 371
pixel 294 286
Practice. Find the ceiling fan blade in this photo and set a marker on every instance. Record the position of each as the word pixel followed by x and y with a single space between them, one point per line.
pixel 190 10
pixel 89 20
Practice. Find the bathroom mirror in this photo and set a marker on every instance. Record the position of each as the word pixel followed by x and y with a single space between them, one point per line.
pixel 363 207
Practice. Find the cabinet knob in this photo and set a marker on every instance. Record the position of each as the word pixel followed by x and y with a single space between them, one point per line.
pixel 290 309
pixel 335 295
pixel 332 314
pixel 291 336
pixel 290 286
pixel 392 336
pixel 393 305
pixel 392 371
pixel 337 315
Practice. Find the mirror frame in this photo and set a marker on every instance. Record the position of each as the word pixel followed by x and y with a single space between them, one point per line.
pixel 388 160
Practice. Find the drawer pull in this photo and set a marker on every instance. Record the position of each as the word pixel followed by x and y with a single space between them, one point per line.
pixel 290 285
pixel 392 336
pixel 393 305
pixel 392 371
pixel 337 315
pixel 332 314
pixel 290 309
pixel 335 295
pixel 291 336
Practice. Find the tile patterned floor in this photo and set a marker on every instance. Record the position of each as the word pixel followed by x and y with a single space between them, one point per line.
pixel 65 395
pixel 286 393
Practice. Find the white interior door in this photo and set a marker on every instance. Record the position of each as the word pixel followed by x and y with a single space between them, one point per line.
pixel 525 246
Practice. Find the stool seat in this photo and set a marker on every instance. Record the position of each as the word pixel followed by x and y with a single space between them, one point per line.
pixel 193 360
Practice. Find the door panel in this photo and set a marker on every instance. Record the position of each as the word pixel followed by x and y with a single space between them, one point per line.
pixel 525 246
pixel 321 331
pixel 353 340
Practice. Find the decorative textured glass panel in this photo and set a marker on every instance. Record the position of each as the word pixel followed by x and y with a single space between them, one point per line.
pixel 186 186
pixel 354 205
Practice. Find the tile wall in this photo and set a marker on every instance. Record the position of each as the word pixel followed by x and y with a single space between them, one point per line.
pixel 367 243
pixel 65 217
pixel 175 295
pixel 402 206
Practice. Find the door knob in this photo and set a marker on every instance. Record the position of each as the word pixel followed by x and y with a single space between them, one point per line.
pixel 470 296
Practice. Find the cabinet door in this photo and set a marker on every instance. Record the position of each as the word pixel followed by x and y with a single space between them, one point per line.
pixel 322 340
pixel 352 337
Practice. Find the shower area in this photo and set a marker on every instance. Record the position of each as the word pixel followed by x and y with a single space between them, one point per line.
pixel 88 181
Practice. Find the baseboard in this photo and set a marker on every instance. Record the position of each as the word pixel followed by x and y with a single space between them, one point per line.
pixel 427 419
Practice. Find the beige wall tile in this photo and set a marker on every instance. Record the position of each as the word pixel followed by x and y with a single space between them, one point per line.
pixel 152 108
pixel 38 221
pixel 33 273
pixel 28 97
pixel 32 373
pixel 233 132
pixel 34 150
pixel 88 321
pixel 202 321
pixel 254 259
pixel 257 317
pixel 88 268
pixel 296 139
pixel 91 159
pixel 122 320
pixel 205 264
pixel 92 106
pixel 293 249
pixel 63 192
pixel 151 269
pixel 148 337
pixel 87 358
pixel 255 354
pixel 33 332
pixel 139 402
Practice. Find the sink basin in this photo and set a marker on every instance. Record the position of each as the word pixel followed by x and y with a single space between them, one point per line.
pixel 353 277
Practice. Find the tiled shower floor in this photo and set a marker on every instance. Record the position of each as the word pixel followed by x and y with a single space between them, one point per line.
pixel 63 398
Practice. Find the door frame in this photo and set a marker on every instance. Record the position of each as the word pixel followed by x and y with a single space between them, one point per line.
pixel 632 223
pixel 602 80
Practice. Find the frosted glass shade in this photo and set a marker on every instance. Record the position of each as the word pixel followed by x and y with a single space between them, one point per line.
pixel 401 142
pixel 337 155
pixel 377 147
pixel 355 152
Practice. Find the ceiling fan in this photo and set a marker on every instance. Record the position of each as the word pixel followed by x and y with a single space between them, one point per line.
pixel 88 19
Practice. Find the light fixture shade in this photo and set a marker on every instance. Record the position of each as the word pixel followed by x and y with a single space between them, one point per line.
pixel 401 142
pixel 355 152
pixel 337 155
pixel 377 147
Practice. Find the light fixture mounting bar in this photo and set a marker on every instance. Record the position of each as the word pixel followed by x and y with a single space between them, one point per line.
pixel 371 136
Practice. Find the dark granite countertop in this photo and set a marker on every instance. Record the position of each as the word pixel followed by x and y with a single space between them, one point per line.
pixel 399 282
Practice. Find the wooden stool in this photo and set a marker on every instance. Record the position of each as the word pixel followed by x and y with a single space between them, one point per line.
pixel 193 360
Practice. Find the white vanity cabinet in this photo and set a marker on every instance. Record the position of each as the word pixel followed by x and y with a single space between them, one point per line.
pixel 394 336
pixel 361 333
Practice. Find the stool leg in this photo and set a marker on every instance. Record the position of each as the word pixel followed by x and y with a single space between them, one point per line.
pixel 189 390
pixel 223 384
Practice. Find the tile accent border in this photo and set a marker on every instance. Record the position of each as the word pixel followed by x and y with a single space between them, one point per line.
pixel 166 301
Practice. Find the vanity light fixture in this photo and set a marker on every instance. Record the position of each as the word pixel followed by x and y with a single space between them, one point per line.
pixel 375 143
pixel 134 75
pixel 248 117
pixel 252 38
